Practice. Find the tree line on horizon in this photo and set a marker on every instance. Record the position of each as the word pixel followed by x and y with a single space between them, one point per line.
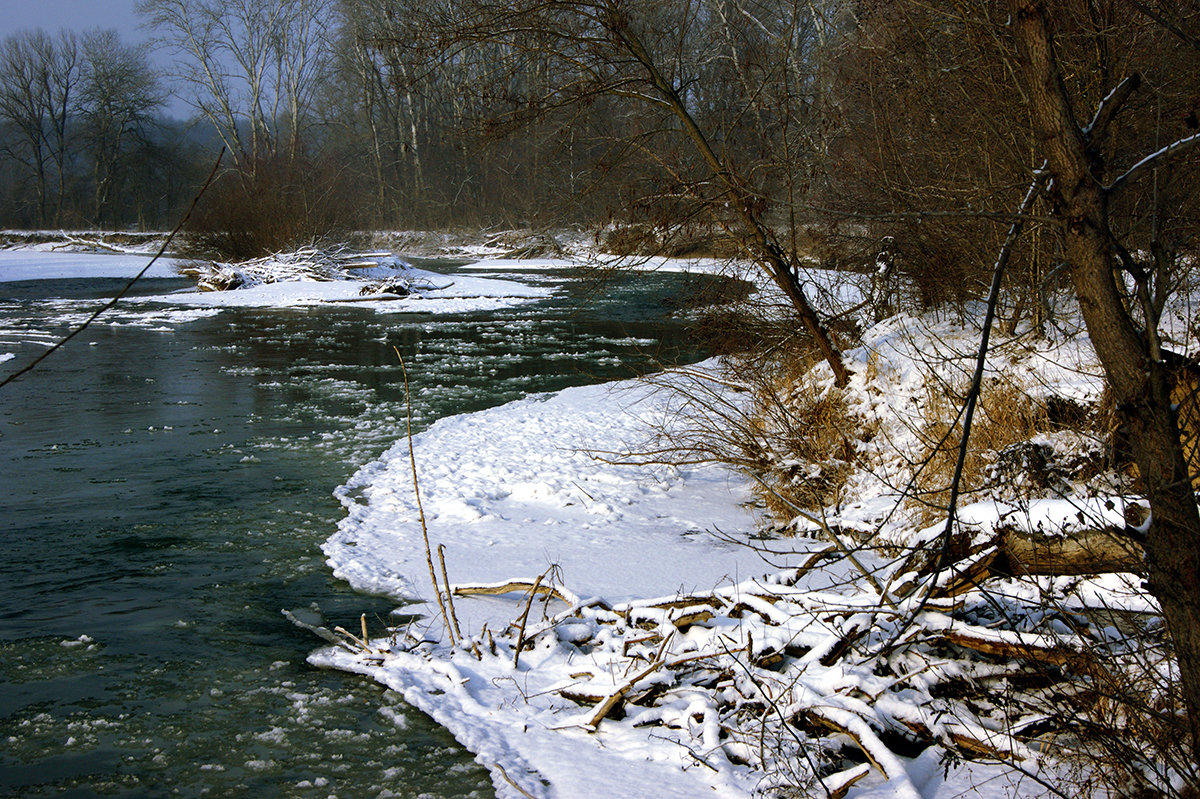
pixel 326 127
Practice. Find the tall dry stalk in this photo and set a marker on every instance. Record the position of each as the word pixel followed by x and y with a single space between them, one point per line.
pixel 446 603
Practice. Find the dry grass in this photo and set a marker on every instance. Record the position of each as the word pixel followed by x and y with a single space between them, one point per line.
pixel 1007 416
pixel 807 441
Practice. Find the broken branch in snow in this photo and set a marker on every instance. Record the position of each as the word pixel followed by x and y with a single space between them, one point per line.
pixel 1014 647
pixel 720 672
pixel 511 586
pixel 857 730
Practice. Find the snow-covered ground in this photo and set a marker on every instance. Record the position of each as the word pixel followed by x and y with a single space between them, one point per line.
pixel 512 491
pixel 36 264
pixel 443 295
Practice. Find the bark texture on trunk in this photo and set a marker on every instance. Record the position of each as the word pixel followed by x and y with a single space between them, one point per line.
pixel 1141 383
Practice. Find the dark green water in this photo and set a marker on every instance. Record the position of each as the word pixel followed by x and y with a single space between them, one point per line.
pixel 165 485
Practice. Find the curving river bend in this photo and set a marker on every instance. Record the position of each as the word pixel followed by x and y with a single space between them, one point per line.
pixel 165 485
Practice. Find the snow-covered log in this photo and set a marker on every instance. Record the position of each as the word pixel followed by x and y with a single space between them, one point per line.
pixel 1087 551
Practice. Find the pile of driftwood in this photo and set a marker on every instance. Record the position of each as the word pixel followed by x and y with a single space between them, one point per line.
pixel 814 687
pixel 309 263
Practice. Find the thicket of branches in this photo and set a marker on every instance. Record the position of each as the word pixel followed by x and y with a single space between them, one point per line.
pixel 82 137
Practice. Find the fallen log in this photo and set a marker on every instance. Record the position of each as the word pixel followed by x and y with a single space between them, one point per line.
pixel 1015 646
pixel 510 586
pixel 993 746
pixel 1090 551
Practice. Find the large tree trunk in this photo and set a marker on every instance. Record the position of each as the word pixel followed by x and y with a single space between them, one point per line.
pixel 1140 381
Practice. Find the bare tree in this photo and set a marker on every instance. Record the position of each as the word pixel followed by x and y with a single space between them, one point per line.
pixel 119 95
pixel 1086 183
pixel 39 75
pixel 381 97
pixel 252 66
pixel 946 110
pixel 696 91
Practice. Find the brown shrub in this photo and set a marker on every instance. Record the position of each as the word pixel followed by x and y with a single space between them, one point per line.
pixel 273 205
pixel 1005 418
pixel 805 437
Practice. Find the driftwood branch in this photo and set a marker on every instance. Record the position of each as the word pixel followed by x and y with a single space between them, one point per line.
pixel 511 586
pixel 613 698
pixel 324 633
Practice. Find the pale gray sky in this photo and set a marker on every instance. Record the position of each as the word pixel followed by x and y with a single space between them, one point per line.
pixel 81 15
pixel 51 15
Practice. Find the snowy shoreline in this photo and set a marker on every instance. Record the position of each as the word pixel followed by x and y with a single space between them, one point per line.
pixel 532 487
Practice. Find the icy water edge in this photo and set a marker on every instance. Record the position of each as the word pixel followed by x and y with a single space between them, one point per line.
pixel 167 483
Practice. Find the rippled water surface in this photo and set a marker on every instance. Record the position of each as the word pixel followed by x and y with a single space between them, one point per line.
pixel 166 484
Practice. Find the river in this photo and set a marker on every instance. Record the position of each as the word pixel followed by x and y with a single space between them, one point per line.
pixel 167 484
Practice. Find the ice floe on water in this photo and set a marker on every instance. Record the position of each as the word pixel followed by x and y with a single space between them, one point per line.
pixel 32 264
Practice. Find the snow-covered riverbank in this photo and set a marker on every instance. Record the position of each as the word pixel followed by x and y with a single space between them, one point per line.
pixel 513 490
pixel 664 615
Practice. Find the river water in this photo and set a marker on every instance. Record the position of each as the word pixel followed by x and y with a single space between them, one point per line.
pixel 167 483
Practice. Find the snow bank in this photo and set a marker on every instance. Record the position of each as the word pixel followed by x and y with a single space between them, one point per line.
pixel 33 264
pixel 511 490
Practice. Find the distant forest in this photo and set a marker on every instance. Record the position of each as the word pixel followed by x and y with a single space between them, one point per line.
pixel 333 115
pixel 849 130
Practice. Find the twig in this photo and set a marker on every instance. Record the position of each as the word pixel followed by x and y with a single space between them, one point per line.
pixel 510 781
pixel 352 637
pixel 449 594
pixel 837 541
pixel 801 745
pixel 1014 232
pixel 616 696
pixel 525 618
